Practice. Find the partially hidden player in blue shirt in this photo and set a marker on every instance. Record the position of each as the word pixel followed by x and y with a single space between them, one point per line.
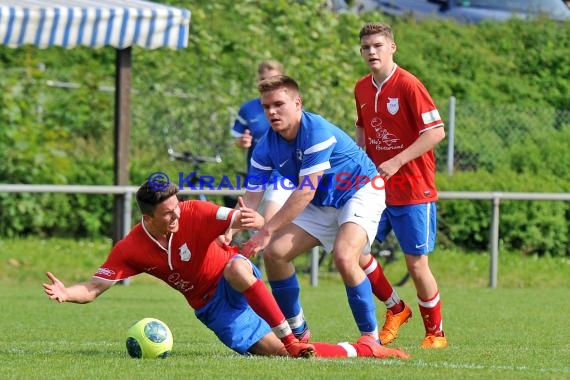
pixel 337 203
pixel 249 127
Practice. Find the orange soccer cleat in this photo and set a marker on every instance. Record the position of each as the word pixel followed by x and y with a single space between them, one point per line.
pixel 434 341
pixel 300 350
pixel 393 323
pixel 380 351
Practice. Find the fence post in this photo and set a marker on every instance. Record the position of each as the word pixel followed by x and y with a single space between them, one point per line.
pixel 494 242
pixel 315 266
pixel 451 136
pixel 127 213
pixel 126 224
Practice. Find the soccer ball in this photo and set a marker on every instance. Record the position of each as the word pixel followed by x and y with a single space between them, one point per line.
pixel 149 338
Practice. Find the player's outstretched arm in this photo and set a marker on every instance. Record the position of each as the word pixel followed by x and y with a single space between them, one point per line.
pixel 83 292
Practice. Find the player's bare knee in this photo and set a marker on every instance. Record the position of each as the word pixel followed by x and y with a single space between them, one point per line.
pixel 417 265
pixel 237 271
pixel 271 255
pixel 345 262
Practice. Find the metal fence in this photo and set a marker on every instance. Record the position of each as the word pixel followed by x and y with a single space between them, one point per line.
pixel 480 136
pixel 128 192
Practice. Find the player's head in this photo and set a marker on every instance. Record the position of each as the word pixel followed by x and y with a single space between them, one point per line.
pixel 282 103
pixel 268 69
pixel 377 28
pixel 377 46
pixel 158 204
pixel 151 193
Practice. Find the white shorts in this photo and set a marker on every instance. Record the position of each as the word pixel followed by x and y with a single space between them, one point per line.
pixel 364 208
pixel 279 193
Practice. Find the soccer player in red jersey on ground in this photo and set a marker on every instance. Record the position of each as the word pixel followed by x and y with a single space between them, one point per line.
pixel 177 243
pixel 398 124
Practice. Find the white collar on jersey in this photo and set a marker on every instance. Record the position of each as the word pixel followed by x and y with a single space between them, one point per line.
pixel 379 86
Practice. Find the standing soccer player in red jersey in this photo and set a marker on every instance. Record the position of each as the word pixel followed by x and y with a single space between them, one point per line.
pixel 399 125
pixel 177 243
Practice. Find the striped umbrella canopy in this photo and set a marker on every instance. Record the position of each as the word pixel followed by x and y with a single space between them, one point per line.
pixel 70 23
pixel 120 24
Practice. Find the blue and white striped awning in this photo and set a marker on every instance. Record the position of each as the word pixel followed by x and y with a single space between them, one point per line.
pixel 93 23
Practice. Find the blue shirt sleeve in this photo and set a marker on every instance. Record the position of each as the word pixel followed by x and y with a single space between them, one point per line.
pixel 240 124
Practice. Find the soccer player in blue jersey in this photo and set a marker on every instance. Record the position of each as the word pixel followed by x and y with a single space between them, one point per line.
pixel 337 202
pixel 250 126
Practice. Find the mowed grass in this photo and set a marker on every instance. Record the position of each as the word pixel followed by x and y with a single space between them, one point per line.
pixel 506 333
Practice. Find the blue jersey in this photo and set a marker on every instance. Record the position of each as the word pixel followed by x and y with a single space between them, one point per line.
pixel 319 146
pixel 251 116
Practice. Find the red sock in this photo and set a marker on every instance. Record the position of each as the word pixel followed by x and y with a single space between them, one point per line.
pixel 430 310
pixel 326 350
pixel 263 303
pixel 341 350
pixel 381 287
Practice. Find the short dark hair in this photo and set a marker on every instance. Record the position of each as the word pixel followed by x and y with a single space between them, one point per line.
pixel 377 28
pixel 151 193
pixel 276 82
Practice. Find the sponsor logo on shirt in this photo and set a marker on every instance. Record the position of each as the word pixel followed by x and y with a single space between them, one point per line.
pixel 385 137
pixel 376 122
pixel 385 140
pixel 176 280
pixel 105 272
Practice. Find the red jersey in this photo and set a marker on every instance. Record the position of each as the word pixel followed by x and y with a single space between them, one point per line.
pixel 193 262
pixel 393 114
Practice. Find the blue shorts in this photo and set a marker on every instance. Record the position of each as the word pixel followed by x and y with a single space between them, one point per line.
pixel 414 226
pixel 231 318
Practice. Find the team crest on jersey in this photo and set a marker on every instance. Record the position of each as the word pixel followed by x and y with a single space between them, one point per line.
pixel 299 154
pixel 185 253
pixel 393 105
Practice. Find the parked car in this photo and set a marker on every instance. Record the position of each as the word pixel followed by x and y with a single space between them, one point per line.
pixel 478 10
pixel 467 10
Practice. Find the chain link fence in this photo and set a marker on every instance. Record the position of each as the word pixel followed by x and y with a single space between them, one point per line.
pixel 483 137
pixel 479 136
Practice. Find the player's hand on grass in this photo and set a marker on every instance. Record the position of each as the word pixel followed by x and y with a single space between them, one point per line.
pixel 387 352
pixel 56 290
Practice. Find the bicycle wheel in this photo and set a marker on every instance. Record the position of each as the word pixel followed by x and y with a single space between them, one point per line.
pixel 391 257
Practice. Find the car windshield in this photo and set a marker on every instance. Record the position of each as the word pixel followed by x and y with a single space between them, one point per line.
pixel 532 6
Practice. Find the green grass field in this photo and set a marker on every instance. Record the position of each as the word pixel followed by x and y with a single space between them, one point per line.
pixel 514 332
